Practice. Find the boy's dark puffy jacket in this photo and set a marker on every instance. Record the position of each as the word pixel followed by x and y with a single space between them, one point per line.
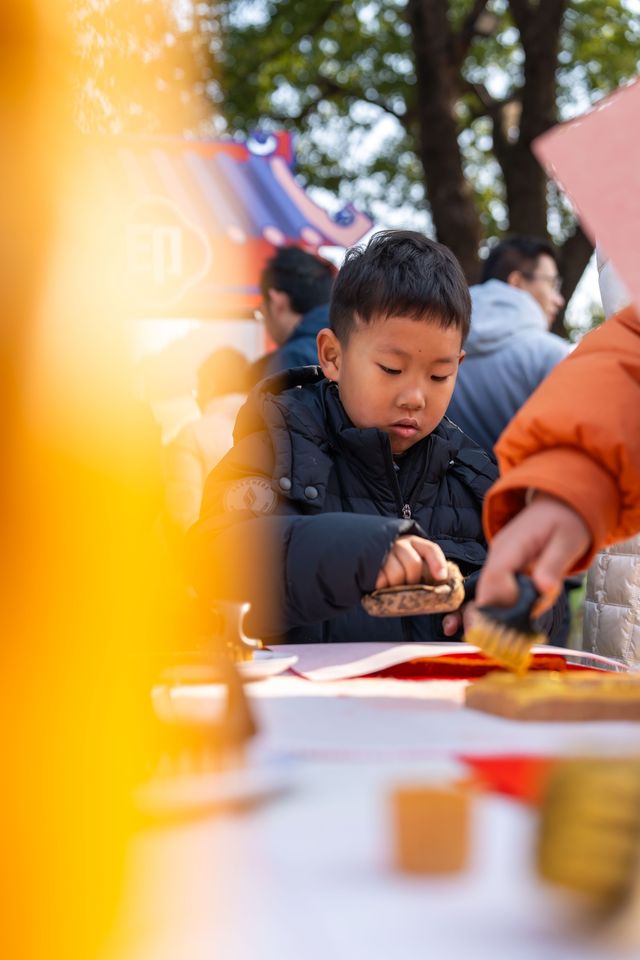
pixel 299 516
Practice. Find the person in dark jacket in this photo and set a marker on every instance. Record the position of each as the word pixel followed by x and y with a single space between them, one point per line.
pixel 348 477
pixel 296 288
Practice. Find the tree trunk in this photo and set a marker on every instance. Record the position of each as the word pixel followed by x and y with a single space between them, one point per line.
pixel 450 197
pixel 574 257
pixel 525 181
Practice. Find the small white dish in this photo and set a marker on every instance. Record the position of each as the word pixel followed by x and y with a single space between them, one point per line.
pixel 265 663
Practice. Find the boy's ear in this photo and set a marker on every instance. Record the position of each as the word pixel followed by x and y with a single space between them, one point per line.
pixel 329 354
pixel 461 357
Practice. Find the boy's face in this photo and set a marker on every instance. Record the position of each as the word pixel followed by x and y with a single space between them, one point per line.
pixel 396 374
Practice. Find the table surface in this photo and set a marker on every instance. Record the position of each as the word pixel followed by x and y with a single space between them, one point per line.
pixel 308 873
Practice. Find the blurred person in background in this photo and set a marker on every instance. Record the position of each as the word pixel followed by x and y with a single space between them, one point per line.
pixel 189 458
pixel 296 289
pixel 570 466
pixel 510 349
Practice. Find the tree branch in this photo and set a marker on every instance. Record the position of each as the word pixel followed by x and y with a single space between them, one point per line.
pixel 521 11
pixel 495 111
pixel 462 40
pixel 304 31
pixel 331 90
pixel 574 256
pixel 490 104
pixel 539 24
pixel 459 43
pixel 376 102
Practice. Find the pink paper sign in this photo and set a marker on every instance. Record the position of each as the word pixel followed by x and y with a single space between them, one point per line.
pixel 596 161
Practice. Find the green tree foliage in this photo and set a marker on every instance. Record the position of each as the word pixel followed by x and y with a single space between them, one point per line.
pixel 346 76
pixel 139 69
pixel 422 105
pixel 329 71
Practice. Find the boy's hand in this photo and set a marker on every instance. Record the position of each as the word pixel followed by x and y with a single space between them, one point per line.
pixel 545 539
pixel 406 561
pixel 451 623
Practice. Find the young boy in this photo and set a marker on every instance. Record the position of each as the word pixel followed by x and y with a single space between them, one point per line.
pixel 347 478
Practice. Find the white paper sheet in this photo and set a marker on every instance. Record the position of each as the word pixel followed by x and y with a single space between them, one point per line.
pixel 340 661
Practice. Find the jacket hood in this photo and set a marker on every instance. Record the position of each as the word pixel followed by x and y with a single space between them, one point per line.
pixel 500 312
pixel 252 414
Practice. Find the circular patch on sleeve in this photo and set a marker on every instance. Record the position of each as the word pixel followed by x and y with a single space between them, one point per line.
pixel 253 494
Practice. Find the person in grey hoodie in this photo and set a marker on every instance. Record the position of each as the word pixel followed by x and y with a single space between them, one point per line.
pixel 510 349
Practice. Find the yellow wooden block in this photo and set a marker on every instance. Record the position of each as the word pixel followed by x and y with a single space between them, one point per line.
pixel 431 828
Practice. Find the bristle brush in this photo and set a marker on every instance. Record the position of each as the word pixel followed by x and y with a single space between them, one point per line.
pixel 507 634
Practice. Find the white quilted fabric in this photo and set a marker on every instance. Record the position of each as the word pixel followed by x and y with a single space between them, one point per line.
pixel 612 603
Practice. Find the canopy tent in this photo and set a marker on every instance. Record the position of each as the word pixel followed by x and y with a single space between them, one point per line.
pixel 202 217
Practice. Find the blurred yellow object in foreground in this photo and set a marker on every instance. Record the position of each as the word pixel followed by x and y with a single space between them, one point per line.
pixel 589 839
pixel 85 597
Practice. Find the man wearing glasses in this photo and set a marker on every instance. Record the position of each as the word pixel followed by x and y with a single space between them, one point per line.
pixel 510 349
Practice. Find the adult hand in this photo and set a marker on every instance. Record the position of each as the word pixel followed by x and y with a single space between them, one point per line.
pixel 545 539
pixel 406 561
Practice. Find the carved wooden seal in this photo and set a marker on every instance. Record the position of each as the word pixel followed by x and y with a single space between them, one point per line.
pixel 410 600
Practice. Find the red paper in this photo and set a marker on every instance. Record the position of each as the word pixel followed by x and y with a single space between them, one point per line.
pixel 466 666
pixel 595 160
pixel 524 778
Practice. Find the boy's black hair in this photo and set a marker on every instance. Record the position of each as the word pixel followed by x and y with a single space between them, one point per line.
pixel 305 278
pixel 516 253
pixel 399 273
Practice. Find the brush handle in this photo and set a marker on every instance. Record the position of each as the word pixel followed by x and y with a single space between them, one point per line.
pixel 518 616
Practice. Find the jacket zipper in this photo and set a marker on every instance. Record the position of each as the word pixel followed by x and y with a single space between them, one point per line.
pixel 404 509
pixel 406 513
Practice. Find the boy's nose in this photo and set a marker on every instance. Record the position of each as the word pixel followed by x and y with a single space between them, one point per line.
pixel 412 399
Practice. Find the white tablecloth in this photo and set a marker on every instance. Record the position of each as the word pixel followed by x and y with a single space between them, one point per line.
pixel 309 874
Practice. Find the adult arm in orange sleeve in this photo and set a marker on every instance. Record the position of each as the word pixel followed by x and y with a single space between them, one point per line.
pixel 573 450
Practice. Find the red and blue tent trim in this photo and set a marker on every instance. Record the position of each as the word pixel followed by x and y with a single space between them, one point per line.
pixel 202 217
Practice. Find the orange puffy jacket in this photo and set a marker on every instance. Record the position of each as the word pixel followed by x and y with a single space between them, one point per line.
pixel 578 438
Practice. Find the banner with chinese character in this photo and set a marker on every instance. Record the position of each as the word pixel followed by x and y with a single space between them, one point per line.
pixel 198 220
